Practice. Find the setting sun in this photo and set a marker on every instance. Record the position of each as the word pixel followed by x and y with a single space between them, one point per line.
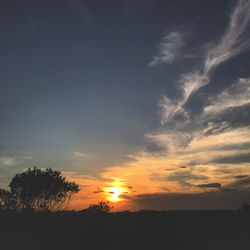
pixel 114 193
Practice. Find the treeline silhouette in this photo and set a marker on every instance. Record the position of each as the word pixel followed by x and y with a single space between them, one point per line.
pixel 33 216
pixel 146 230
pixel 37 190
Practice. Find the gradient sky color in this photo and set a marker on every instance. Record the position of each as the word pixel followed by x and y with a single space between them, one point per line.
pixel 143 103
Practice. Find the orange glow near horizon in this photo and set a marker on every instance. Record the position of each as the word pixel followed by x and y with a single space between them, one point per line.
pixel 146 174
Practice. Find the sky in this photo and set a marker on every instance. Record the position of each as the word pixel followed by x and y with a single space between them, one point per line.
pixel 145 104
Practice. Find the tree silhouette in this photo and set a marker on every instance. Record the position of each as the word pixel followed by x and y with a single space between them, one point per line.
pixel 6 200
pixel 41 190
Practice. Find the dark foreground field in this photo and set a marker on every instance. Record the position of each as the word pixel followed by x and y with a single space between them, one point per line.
pixel 199 230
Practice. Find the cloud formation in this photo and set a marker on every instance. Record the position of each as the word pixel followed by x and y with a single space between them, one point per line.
pixel 98 190
pixel 235 96
pixel 17 159
pixel 169 48
pixel 209 185
pixel 183 176
pixel 79 154
pixel 240 184
pixel 194 152
pixel 240 176
pixel 207 141
pixel 232 43
pixel 7 161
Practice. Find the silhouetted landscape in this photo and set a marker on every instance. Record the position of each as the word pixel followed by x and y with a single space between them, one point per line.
pixel 188 230
pixel 32 217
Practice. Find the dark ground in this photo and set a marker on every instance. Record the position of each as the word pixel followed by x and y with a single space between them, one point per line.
pixel 193 230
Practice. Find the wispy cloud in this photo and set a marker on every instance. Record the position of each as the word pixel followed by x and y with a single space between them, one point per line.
pixel 234 41
pixel 184 176
pixel 189 84
pixel 7 161
pixel 240 176
pixel 169 48
pixel 209 185
pixel 240 184
pixel 14 160
pixel 235 96
pixel 79 154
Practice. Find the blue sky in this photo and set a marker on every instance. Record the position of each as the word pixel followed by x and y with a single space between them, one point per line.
pixel 100 89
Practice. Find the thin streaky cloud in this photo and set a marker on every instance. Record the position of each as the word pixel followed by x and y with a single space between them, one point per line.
pixel 168 48
pixel 233 42
pixel 79 154
pixel 7 161
pixel 14 160
pixel 235 96
pixel 169 108
pixel 209 185
pixel 190 84
pixel 240 176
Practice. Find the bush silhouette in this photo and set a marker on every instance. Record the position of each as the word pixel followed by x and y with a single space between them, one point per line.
pixel 41 190
pixel 100 208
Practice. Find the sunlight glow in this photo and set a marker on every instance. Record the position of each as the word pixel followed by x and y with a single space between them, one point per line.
pixel 114 193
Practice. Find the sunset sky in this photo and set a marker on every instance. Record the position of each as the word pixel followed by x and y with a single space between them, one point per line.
pixel 144 103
